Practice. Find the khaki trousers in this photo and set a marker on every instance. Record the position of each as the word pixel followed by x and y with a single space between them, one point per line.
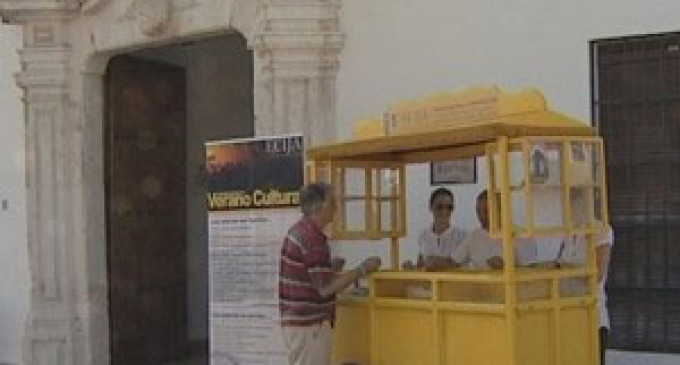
pixel 308 345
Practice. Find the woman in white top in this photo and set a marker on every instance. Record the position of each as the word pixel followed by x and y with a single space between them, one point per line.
pixel 574 252
pixel 437 243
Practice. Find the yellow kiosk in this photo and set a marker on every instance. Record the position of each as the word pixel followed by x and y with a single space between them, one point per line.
pixel 545 179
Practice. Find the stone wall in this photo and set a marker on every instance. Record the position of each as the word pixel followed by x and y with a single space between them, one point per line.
pixel 14 277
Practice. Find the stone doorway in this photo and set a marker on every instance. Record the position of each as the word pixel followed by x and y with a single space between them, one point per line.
pixel 162 105
pixel 67 47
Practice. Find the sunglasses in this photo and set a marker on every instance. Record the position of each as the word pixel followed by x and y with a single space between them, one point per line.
pixel 448 207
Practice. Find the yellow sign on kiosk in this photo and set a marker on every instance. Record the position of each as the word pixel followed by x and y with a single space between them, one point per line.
pixel 546 179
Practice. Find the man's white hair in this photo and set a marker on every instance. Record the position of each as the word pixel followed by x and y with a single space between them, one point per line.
pixel 313 196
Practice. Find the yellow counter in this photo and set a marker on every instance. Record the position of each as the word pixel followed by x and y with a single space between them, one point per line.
pixel 461 318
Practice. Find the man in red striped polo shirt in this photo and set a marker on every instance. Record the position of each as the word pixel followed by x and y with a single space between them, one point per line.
pixel 309 280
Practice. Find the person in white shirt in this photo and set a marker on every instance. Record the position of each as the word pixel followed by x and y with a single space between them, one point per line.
pixel 437 242
pixel 574 252
pixel 480 251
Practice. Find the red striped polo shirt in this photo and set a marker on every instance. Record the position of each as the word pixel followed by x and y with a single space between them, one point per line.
pixel 305 269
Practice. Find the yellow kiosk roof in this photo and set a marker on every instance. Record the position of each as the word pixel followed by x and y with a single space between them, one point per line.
pixel 448 126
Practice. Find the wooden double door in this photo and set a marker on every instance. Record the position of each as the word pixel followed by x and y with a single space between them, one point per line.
pixel 145 152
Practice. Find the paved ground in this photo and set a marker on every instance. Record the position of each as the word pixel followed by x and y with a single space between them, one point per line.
pixel 199 357
pixel 636 358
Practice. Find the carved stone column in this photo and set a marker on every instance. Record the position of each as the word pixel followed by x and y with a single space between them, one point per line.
pixel 298 50
pixel 58 320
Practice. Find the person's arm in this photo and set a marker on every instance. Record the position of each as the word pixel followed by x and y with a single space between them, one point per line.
pixel 461 254
pixel 337 264
pixel 495 262
pixel 603 250
pixel 340 281
pixel 526 252
pixel 421 261
pixel 436 263
pixel 422 244
pixel 602 255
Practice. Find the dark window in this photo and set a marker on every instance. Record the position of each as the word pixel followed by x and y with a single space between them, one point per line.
pixel 636 106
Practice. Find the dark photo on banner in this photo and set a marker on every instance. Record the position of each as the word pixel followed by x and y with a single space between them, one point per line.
pixel 254 174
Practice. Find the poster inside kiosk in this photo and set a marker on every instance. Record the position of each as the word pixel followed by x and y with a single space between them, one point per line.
pixel 252 197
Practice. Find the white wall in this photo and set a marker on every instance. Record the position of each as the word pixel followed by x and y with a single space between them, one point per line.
pixel 14 279
pixel 401 49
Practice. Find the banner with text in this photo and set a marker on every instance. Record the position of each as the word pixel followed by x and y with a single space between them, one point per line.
pixel 252 199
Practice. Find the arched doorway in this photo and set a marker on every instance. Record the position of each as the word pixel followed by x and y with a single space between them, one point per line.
pixel 162 105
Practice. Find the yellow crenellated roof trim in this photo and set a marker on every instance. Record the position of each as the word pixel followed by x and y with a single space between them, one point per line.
pixel 449 120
